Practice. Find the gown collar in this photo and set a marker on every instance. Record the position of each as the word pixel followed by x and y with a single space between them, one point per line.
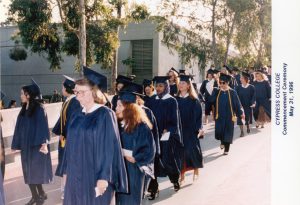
pixel 164 97
pixel 70 97
pixel 95 107
pixel 185 96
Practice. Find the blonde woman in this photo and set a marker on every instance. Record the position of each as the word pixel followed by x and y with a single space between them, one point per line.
pixel 262 111
pixel 191 120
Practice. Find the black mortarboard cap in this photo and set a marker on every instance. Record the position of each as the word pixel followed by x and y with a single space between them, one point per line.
pixel 225 77
pixel 174 70
pixel 245 74
pixel 161 79
pixel 210 71
pixel 69 82
pixel 147 82
pixel 124 79
pixel 182 72
pixel 186 78
pixel 34 89
pixel 96 78
pixel 215 71
pixel 129 92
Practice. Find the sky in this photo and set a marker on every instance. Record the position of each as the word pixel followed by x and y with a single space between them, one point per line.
pixel 152 5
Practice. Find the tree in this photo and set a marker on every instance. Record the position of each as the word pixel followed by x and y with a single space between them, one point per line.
pixel 88 29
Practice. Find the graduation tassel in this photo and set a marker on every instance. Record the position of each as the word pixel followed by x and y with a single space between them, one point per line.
pixel 217 106
pixel 233 118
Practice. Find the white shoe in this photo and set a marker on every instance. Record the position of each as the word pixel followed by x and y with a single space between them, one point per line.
pixel 62 195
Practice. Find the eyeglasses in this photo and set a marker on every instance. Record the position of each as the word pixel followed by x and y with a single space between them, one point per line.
pixel 222 82
pixel 80 92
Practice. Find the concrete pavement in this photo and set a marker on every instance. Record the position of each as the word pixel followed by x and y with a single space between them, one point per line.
pixel 241 178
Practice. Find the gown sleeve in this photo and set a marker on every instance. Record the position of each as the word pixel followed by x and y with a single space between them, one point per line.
pixel 253 94
pixel 238 106
pixel 16 141
pixel 144 147
pixel 42 134
pixel 173 123
pixel 198 114
pixel 112 166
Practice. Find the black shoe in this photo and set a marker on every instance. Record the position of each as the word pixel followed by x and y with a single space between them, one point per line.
pixel 31 202
pixel 153 195
pixel 44 196
pixel 248 130
pixel 176 186
pixel 242 134
pixel 40 201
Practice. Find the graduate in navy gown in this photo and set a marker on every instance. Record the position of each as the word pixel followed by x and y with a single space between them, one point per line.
pixel 262 111
pixel 95 165
pixel 31 137
pixel 70 106
pixel 148 91
pixel 173 81
pixel 136 88
pixel 138 146
pixel 191 121
pixel 165 110
pixel 246 93
pixel 228 109
pixel 206 90
pixel 236 75
pixel 120 81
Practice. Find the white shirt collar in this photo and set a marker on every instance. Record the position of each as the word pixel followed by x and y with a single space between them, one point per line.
pixel 245 86
pixel 164 97
pixel 185 96
pixel 95 107
pixel 70 97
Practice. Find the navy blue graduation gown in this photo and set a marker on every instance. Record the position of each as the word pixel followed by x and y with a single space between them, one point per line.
pixel 30 133
pixel 114 101
pixel 191 121
pixel 263 96
pixel 148 100
pixel 71 107
pixel 173 89
pixel 247 98
pixel 167 116
pixel 238 79
pixel 224 126
pixel 2 150
pixel 93 152
pixel 142 145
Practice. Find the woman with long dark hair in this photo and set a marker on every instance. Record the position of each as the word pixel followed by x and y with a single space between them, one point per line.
pixel 31 137
pixel 69 107
pixel 138 146
pixel 191 121
pixel 95 165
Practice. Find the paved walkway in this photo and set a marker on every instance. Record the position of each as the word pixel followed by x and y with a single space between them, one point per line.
pixel 241 178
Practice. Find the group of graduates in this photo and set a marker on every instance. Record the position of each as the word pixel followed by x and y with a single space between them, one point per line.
pixel 113 152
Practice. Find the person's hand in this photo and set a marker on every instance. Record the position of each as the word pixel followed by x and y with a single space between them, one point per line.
pixel 102 186
pixel 61 137
pixel 44 149
pixel 130 159
pixel 164 131
pixel 252 106
pixel 200 133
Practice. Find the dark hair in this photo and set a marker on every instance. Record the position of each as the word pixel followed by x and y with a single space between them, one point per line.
pixel 11 103
pixel 69 90
pixel 33 102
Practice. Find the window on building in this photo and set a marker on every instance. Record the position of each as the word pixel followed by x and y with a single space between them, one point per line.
pixel 142 53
